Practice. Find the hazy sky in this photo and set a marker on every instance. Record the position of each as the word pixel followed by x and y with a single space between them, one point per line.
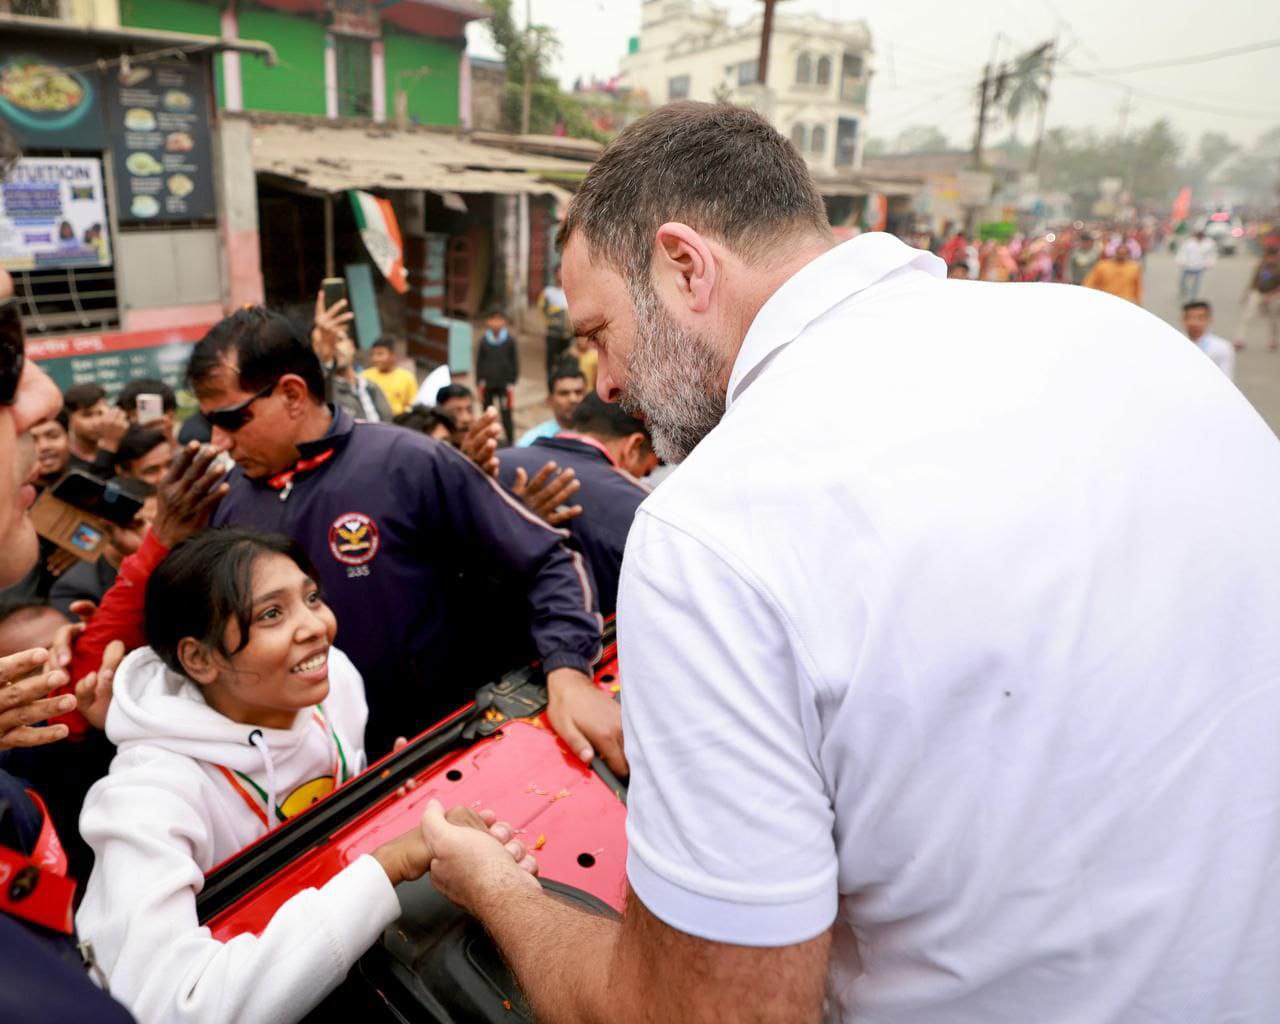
pixel 929 56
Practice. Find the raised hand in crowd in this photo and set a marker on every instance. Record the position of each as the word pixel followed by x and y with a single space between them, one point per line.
pixel 64 640
pixel 93 692
pixel 112 427
pixel 548 492
pixel 480 444
pixel 26 680
pixel 188 494
pixel 329 327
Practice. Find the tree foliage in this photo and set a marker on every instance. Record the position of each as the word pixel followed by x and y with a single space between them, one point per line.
pixel 1147 162
pixel 549 105
pixel 1256 173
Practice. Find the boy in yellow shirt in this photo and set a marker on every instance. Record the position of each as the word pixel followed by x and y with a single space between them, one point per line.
pixel 397 383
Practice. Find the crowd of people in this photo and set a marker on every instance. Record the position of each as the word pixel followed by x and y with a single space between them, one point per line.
pixel 265 571
pixel 1113 260
pixel 934 699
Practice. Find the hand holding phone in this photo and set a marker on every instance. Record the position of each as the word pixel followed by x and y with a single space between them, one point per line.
pixel 150 409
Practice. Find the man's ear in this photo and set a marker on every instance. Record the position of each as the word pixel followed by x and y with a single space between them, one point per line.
pixel 684 267
pixel 297 395
pixel 197 661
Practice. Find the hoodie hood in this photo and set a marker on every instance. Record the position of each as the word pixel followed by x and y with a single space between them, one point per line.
pixel 155 706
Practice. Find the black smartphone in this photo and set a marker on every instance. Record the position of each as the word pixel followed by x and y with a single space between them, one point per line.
pixel 105 500
pixel 335 289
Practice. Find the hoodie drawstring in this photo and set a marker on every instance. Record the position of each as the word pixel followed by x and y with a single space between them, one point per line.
pixel 256 739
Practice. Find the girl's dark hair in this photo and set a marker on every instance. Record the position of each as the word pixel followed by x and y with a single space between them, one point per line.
pixel 205 583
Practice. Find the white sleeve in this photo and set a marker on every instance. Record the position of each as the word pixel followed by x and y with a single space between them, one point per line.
pixel 729 824
pixel 139 912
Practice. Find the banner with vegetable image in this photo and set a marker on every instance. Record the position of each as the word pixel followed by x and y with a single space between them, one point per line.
pixel 158 119
pixel 53 214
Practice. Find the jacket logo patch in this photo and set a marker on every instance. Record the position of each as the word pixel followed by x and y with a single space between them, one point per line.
pixel 353 539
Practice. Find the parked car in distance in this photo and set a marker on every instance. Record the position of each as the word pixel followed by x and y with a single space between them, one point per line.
pixel 1226 229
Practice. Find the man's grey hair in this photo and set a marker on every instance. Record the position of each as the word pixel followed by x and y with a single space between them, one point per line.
pixel 723 170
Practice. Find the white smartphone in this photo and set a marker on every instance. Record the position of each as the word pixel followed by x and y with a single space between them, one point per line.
pixel 150 409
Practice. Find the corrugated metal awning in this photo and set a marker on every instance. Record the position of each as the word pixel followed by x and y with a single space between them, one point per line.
pixel 332 158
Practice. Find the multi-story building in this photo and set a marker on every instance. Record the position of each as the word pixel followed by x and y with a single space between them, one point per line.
pixel 815 88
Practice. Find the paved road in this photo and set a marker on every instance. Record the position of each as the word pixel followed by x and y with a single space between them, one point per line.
pixel 1257 370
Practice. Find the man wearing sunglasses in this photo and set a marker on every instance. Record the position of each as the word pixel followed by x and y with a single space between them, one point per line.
pixel 409 539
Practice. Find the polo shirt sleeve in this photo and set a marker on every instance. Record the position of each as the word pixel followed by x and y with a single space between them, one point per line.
pixel 729 822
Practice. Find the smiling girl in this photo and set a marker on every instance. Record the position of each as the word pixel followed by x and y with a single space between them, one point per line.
pixel 239 714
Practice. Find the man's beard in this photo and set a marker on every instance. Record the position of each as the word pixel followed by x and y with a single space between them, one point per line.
pixel 674 380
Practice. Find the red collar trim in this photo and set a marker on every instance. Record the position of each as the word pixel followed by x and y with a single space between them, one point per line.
pixel 283 479
pixel 590 442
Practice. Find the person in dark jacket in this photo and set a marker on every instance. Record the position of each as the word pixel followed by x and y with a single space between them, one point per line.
pixel 362 398
pixel 609 453
pixel 394 521
pixel 498 369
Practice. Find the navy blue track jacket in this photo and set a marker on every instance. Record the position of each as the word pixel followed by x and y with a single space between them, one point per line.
pixel 396 524
pixel 609 497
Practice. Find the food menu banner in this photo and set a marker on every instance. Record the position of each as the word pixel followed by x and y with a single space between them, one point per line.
pixel 53 214
pixel 158 118
pixel 50 94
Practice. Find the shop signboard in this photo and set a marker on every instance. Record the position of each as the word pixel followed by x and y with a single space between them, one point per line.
pixel 50 94
pixel 158 119
pixel 53 214
pixel 114 358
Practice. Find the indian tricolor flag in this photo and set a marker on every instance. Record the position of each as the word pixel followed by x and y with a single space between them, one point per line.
pixel 377 223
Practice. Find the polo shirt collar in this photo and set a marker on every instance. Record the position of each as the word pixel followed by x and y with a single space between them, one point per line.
pixel 817 287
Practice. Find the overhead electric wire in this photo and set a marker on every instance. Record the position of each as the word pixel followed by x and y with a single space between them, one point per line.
pixel 1198 58
pixel 1181 101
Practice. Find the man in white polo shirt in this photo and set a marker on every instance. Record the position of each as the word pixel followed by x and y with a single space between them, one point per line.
pixel 940 702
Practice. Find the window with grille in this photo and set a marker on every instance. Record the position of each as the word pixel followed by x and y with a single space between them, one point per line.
pixel 846 141
pixel 852 89
pixel 355 76
pixel 678 88
pixel 67 299
pixel 34 8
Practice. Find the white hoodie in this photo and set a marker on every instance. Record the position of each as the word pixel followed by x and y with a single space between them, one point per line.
pixel 167 813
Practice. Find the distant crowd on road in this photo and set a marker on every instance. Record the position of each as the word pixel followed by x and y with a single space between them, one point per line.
pixel 1112 259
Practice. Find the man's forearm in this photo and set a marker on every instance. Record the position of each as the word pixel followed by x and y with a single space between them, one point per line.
pixel 562 957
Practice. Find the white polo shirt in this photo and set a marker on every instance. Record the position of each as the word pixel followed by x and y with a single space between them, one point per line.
pixel 954 659
pixel 1221 351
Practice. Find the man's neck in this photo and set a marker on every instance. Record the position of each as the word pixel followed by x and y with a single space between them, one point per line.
pixel 82 449
pixel 764 283
pixel 315 424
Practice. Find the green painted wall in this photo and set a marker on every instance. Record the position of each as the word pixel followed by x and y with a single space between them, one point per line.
pixel 178 16
pixel 433 98
pixel 296 84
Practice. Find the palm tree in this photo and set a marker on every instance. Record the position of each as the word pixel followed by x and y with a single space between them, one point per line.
pixel 1024 87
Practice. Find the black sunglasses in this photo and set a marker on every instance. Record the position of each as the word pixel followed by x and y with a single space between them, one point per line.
pixel 12 350
pixel 233 417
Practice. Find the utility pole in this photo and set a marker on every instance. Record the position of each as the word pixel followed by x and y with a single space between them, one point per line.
pixel 766 35
pixel 984 95
pixel 527 98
